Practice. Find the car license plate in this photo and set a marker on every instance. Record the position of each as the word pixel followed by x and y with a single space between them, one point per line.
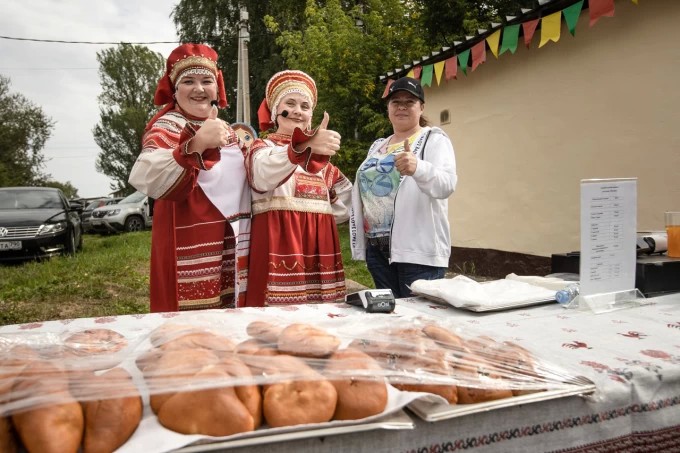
pixel 10 245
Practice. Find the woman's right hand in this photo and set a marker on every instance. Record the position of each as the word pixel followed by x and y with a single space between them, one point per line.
pixel 214 133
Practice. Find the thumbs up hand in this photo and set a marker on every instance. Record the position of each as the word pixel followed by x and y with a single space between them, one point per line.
pixel 325 141
pixel 324 121
pixel 214 133
pixel 405 162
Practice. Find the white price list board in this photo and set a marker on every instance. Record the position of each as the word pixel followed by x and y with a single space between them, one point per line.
pixel 608 235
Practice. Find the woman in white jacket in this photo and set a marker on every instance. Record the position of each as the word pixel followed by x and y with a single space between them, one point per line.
pixel 399 217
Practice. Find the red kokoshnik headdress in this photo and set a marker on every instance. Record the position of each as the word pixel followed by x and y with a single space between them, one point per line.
pixel 187 59
pixel 281 84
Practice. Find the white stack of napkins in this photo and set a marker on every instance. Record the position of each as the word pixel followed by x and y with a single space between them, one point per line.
pixel 463 292
pixel 553 283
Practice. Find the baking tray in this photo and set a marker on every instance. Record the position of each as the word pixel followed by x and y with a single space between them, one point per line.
pixel 486 308
pixel 434 412
pixel 150 436
pixel 396 420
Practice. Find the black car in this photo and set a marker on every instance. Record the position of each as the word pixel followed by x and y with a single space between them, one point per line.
pixel 37 222
pixel 78 205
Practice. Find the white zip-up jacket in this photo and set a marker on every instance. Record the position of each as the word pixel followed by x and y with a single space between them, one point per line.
pixel 420 227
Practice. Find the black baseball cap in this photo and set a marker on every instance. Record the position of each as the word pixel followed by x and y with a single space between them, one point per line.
pixel 409 85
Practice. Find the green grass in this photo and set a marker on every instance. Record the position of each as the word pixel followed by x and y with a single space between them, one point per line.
pixel 109 277
pixel 354 270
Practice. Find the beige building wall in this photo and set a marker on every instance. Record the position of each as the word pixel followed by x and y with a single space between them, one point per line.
pixel 528 127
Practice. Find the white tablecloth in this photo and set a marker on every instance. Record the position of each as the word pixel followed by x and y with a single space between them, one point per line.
pixel 632 355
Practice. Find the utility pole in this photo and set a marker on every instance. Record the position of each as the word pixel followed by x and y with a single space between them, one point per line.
pixel 243 78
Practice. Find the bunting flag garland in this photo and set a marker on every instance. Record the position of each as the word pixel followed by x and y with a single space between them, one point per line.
pixel 426 78
pixel 529 28
pixel 571 15
pixel 510 38
pixel 550 28
pixel 451 68
pixel 478 54
pixel 599 8
pixel 438 70
pixel 463 58
pixel 493 41
pixel 387 87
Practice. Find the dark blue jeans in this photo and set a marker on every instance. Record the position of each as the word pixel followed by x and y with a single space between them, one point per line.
pixel 397 276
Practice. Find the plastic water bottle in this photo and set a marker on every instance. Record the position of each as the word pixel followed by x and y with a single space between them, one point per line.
pixel 566 295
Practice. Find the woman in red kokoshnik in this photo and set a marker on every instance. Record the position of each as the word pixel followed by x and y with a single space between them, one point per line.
pixel 297 197
pixel 192 164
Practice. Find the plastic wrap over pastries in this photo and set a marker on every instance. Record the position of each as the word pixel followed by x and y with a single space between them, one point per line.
pixel 220 375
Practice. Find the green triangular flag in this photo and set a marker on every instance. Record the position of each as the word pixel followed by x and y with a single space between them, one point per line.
pixel 510 37
pixel 426 76
pixel 463 60
pixel 571 14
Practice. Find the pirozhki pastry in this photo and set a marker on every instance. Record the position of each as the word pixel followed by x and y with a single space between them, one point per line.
pixel 264 332
pixel 485 385
pixel 307 398
pixel 361 396
pixel 212 412
pixel 95 341
pixel 110 422
pixel 48 428
pixel 304 340
pixel 8 442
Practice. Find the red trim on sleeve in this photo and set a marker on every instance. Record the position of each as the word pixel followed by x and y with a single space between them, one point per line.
pixel 310 162
pixel 194 160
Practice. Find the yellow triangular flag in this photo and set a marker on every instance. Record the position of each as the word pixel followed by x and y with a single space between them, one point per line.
pixel 493 42
pixel 550 28
pixel 410 74
pixel 439 70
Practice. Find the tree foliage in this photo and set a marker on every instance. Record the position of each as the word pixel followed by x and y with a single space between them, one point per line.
pixel 129 75
pixel 67 188
pixel 216 23
pixel 343 44
pixel 445 21
pixel 344 47
pixel 24 129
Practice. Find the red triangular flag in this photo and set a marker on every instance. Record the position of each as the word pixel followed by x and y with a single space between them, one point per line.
pixel 416 72
pixel 478 54
pixel 387 87
pixel 529 28
pixel 599 8
pixel 451 68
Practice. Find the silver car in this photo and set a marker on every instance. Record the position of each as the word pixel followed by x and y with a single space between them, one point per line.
pixel 132 213
pixel 86 215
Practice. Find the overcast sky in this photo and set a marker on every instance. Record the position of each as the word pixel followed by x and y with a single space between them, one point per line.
pixel 63 79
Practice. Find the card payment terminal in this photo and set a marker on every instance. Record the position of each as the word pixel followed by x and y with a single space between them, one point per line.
pixel 373 300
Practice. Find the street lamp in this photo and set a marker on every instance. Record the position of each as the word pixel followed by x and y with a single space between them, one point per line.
pixel 242 79
pixel 358 20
